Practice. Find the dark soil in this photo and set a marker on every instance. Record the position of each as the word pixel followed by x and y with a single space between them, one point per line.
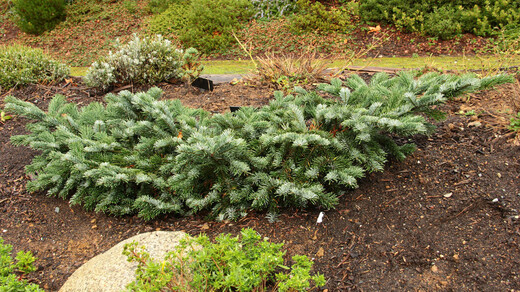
pixel 443 219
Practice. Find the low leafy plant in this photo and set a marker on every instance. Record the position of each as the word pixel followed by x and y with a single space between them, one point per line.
pixel 11 272
pixel 315 17
pixel 144 61
pixel 20 65
pixel 515 123
pixel 245 263
pixel 139 154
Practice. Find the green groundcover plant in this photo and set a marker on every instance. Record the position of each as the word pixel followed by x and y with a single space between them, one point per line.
pixel 140 154
pixel 20 65
pixel 241 263
pixel 10 271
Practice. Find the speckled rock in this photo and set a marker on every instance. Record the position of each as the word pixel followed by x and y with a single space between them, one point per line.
pixel 110 271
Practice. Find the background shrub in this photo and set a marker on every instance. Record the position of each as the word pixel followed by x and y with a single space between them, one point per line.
pixel 480 17
pixel 315 16
pixel 204 24
pixel 143 61
pixel 21 65
pixel 171 21
pixel 245 263
pixel 37 16
pixel 442 23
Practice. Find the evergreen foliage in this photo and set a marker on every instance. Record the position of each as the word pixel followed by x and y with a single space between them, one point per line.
pixel 139 154
pixel 37 16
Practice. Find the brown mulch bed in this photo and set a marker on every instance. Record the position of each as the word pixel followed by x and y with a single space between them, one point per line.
pixel 443 219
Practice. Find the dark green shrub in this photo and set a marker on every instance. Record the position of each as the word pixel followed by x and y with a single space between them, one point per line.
pixel 211 23
pixel 480 17
pixel 146 155
pixel 10 280
pixel 37 16
pixel 170 22
pixel 442 23
pixel 21 65
pixel 230 264
pixel 204 24
pixel 315 17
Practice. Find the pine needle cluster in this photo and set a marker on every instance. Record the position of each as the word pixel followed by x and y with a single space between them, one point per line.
pixel 139 154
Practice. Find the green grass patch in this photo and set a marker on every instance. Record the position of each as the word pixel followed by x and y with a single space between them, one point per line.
pixel 78 71
pixel 441 63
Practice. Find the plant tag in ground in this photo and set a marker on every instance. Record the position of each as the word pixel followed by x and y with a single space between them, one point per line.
pixel 320 218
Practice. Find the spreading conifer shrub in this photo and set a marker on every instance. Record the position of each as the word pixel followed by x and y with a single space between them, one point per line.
pixel 144 61
pixel 20 65
pixel 139 154
pixel 245 263
pixel 37 16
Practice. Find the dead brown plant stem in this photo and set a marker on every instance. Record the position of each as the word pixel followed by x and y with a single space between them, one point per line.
pixel 248 52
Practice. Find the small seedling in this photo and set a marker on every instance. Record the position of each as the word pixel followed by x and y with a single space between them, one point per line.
pixel 515 123
pixel 4 117
pixel 470 113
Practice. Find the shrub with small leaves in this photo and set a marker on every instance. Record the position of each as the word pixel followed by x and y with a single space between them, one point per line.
pixel 443 18
pixel 143 61
pixel 20 65
pixel 10 279
pixel 230 263
pixel 37 16
pixel 204 24
pixel 315 17
pixel 442 23
pixel 171 21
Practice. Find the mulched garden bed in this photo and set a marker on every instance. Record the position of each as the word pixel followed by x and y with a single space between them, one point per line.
pixel 444 219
